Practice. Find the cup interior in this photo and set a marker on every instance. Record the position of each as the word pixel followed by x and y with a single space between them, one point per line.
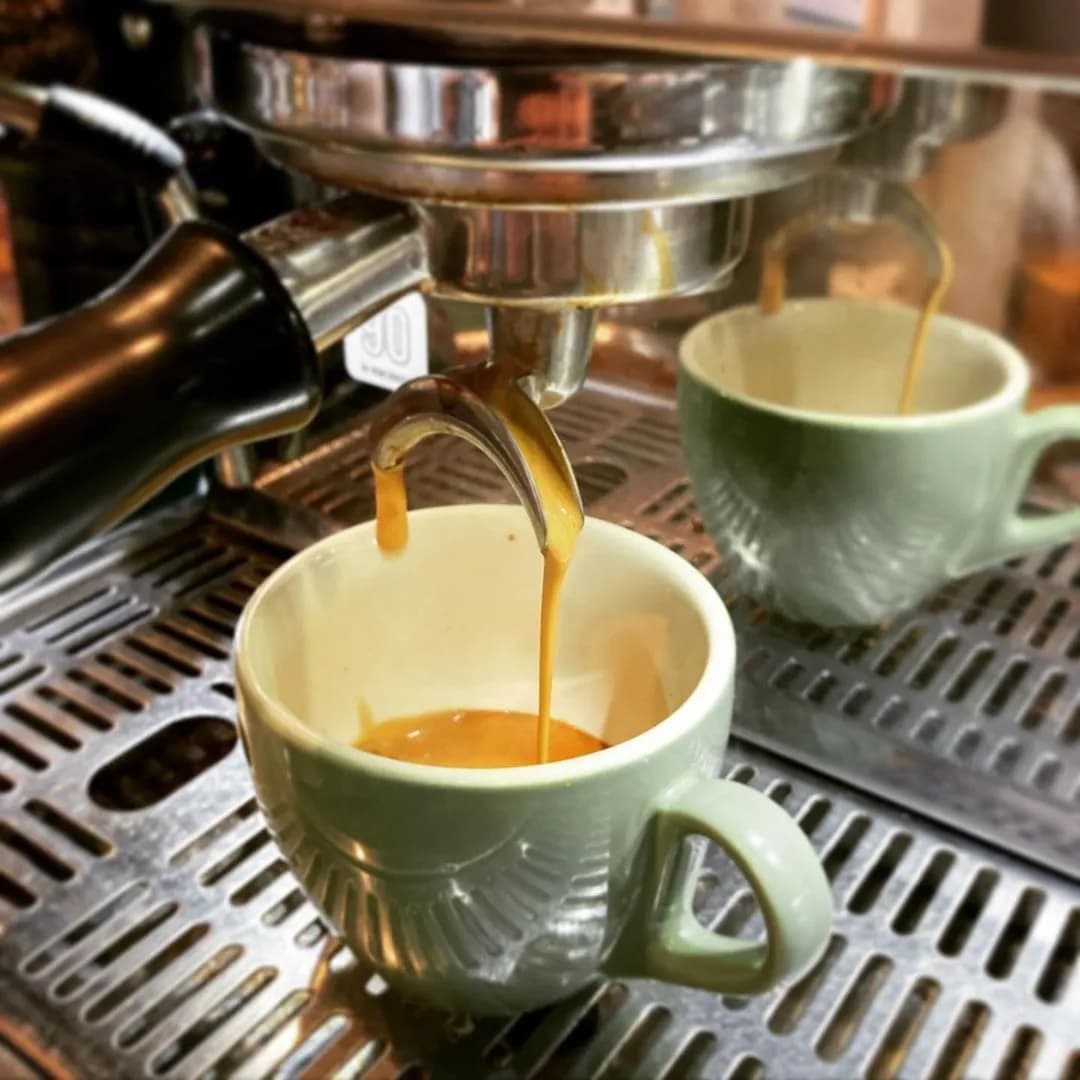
pixel 849 357
pixel 343 631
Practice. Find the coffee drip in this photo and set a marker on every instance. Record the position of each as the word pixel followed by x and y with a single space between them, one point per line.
pixel 496 386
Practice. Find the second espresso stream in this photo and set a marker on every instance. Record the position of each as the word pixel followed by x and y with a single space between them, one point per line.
pixel 773 286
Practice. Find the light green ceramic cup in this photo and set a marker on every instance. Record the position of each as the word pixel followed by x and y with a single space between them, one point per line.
pixel 493 891
pixel 829 506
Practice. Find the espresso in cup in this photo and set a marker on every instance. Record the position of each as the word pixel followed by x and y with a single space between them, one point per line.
pixel 474 739
pixel 493 890
pixel 828 505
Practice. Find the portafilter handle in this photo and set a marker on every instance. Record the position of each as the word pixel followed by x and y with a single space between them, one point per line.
pixel 198 348
pixel 209 342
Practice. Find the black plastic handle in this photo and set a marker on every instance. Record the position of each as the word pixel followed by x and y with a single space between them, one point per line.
pixel 198 348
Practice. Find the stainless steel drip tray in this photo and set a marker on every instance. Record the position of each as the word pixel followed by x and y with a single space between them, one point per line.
pixel 152 928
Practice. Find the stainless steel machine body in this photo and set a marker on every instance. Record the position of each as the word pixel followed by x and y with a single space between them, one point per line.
pixel 547 187
pixel 597 197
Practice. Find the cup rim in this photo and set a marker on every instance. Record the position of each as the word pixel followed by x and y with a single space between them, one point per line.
pixel 1009 358
pixel 717 675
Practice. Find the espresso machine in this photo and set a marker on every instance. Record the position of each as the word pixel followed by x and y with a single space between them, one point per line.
pixel 570 184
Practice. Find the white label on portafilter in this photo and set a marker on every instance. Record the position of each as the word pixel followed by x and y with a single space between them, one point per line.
pixel 392 347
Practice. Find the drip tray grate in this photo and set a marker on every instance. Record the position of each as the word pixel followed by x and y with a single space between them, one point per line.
pixel 151 927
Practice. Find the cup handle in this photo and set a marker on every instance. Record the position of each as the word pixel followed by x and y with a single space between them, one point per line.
pixel 783 869
pixel 1018 535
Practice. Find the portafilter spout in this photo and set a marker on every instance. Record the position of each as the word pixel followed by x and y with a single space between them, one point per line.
pixel 549 350
pixel 451 404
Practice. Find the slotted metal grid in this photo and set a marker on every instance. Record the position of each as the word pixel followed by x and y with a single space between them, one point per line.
pixel 151 927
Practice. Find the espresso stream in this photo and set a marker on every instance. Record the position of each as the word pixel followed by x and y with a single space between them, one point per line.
pixel 434 733
pixel 773 290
